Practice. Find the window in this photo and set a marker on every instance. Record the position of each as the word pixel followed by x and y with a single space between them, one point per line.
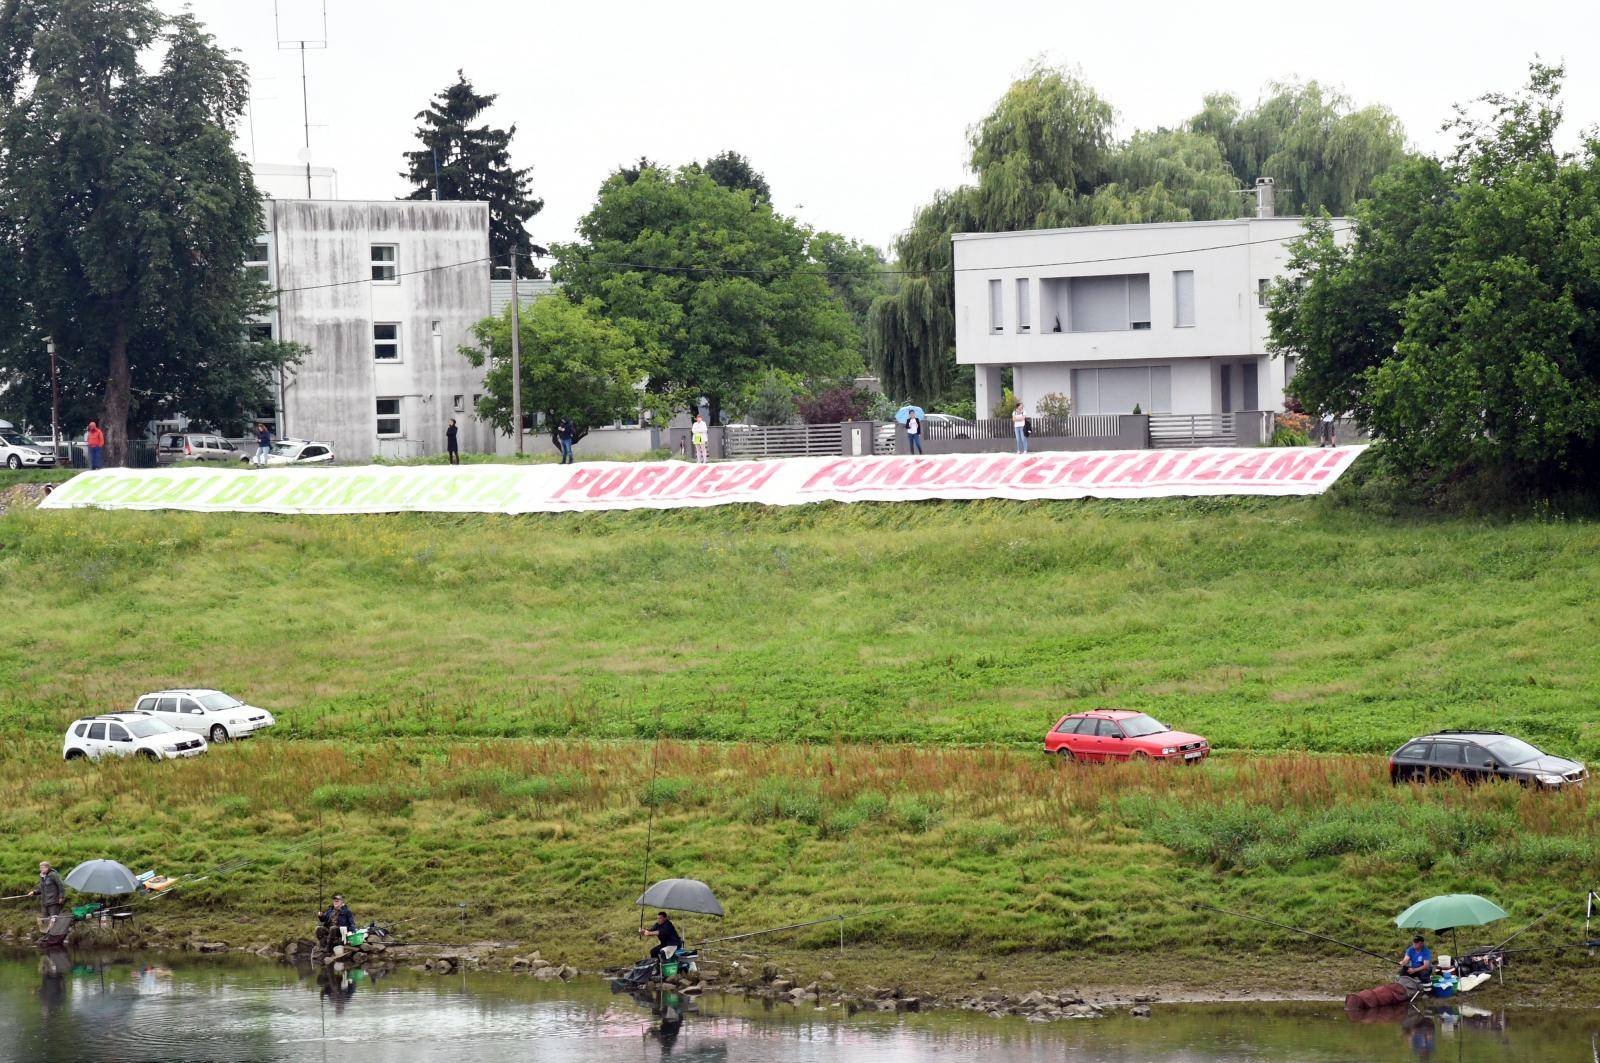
pixel 997 312
pixel 386 263
pixel 117 733
pixel 260 332
pixel 167 705
pixel 386 342
pixel 1107 729
pixel 458 403
pixel 1261 292
pixel 1183 298
pixel 1108 304
pixel 388 417
pixel 189 707
pixel 1449 753
pixel 1119 390
pixel 1022 304
pixel 258 264
pixel 1069 725
pixel 147 704
pixel 1414 751
pixel 80 729
pixel 97 732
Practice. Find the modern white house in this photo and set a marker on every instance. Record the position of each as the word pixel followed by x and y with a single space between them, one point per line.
pixel 383 293
pixel 1168 317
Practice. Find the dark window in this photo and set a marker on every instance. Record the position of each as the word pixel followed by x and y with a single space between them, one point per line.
pixel 97 732
pixel 1069 726
pixel 185 705
pixel 147 704
pixel 1414 751
pixel 1107 729
pixel 117 733
pixel 78 730
pixel 1448 754
pixel 167 705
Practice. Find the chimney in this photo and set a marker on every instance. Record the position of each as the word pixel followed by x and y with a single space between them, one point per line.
pixel 1266 191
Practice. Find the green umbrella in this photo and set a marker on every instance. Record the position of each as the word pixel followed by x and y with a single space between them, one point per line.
pixel 1450 910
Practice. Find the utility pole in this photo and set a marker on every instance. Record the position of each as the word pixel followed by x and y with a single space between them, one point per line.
pixel 55 401
pixel 516 357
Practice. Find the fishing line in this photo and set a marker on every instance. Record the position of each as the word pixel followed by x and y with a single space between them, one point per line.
pixel 650 827
pixel 1285 926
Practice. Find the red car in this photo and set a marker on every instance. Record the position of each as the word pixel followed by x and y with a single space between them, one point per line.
pixel 1112 734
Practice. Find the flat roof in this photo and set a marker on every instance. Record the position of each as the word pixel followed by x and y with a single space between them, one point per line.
pixel 381 202
pixel 1219 223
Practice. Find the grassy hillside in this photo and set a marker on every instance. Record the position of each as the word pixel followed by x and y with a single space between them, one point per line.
pixel 993 855
pixel 1267 624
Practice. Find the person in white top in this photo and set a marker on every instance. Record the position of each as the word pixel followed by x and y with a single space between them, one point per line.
pixel 1019 425
pixel 914 434
pixel 698 435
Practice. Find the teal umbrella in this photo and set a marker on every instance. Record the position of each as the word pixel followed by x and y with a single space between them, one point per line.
pixel 1450 910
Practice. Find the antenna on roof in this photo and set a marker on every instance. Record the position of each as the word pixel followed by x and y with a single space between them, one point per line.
pixel 305 105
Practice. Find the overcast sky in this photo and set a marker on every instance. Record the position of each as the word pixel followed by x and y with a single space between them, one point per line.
pixel 855 111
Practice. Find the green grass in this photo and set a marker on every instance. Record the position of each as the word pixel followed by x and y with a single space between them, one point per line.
pixel 1267 625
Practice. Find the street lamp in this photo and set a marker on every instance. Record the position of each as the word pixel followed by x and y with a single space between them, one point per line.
pixel 55 403
pixel 516 354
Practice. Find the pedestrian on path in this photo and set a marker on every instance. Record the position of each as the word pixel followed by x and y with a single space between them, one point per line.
pixel 96 441
pixel 450 444
pixel 564 433
pixel 1019 425
pixel 263 443
pixel 699 435
pixel 914 433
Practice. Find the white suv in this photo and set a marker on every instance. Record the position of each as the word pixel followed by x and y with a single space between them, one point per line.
pixel 125 733
pixel 206 712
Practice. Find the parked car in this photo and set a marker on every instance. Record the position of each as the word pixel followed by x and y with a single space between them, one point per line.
pixel 211 713
pixel 1114 734
pixel 295 452
pixel 1478 756
pixel 193 446
pixel 123 734
pixel 18 450
pixel 956 427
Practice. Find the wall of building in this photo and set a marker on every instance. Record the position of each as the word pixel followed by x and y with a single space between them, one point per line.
pixel 322 258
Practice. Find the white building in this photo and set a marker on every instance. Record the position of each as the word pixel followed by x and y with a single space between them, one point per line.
pixel 1169 317
pixel 383 293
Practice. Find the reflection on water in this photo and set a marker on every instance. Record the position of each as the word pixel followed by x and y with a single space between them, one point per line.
pixel 56 1006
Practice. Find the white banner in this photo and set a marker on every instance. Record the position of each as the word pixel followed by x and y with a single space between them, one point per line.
pixel 671 484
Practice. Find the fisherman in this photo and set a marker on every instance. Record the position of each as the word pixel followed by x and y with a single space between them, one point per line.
pixel 337 919
pixel 667 938
pixel 1418 961
pixel 50 892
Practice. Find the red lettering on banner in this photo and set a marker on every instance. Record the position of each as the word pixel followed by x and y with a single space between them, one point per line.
pixel 1246 469
pixel 1034 476
pixel 675 474
pixel 891 473
pixel 1219 466
pixel 1015 467
pixel 992 471
pixel 607 482
pixel 708 479
pixel 641 481
pixel 1291 466
pixel 1113 466
pixel 1076 468
pixel 963 472
pixel 764 472
pixel 824 473
pixel 1328 465
pixel 580 478
pixel 927 471
pixel 1140 471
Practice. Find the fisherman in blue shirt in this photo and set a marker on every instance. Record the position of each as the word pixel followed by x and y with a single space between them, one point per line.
pixel 1418 961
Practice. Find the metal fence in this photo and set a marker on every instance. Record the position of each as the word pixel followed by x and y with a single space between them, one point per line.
pixel 1085 424
pixel 1192 430
pixel 745 442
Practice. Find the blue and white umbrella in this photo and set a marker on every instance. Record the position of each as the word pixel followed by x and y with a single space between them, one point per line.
pixel 905 413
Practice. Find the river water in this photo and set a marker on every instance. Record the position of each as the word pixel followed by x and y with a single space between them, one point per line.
pixel 61 1007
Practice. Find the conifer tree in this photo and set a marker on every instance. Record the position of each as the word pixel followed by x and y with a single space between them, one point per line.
pixel 461 160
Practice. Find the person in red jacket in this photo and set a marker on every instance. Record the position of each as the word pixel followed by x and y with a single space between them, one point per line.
pixel 96 440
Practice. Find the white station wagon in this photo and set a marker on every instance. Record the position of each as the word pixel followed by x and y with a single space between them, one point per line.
pixel 210 713
pixel 124 734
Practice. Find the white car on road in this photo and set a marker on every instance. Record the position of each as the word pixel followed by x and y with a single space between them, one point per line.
pixel 211 713
pixel 18 450
pixel 293 452
pixel 123 734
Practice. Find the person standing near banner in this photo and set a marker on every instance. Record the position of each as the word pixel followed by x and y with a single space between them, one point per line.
pixel 451 446
pixel 699 435
pixel 564 433
pixel 95 440
pixel 1019 425
pixel 263 444
pixel 914 433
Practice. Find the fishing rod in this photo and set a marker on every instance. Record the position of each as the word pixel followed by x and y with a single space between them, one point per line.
pixel 650 827
pixel 1308 933
pixel 16 897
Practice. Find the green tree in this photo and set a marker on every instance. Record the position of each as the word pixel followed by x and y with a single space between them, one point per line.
pixel 575 364
pixel 460 160
pixel 771 399
pixel 126 215
pixel 1463 321
pixel 724 285
pixel 733 171
pixel 1322 153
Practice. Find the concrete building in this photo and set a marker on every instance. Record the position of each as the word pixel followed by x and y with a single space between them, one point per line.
pixel 383 293
pixel 1169 317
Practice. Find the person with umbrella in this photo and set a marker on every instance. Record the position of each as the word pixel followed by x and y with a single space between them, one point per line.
pixel 50 891
pixel 1417 962
pixel 668 940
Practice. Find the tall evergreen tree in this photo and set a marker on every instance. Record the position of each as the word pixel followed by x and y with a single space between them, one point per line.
pixel 461 160
pixel 126 216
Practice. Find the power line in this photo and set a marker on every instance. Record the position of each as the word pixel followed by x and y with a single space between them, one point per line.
pixel 733 271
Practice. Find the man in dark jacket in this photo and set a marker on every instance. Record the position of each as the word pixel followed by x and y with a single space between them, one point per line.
pixel 564 433
pixel 337 919
pixel 452 448
pixel 667 937
pixel 50 891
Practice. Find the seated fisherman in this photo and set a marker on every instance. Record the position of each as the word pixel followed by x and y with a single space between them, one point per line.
pixel 1417 961
pixel 337 919
pixel 666 935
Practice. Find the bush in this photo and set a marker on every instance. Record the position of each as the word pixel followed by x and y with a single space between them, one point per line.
pixel 1288 437
pixel 1054 404
pixel 835 405
pixel 771 400
pixel 1004 405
